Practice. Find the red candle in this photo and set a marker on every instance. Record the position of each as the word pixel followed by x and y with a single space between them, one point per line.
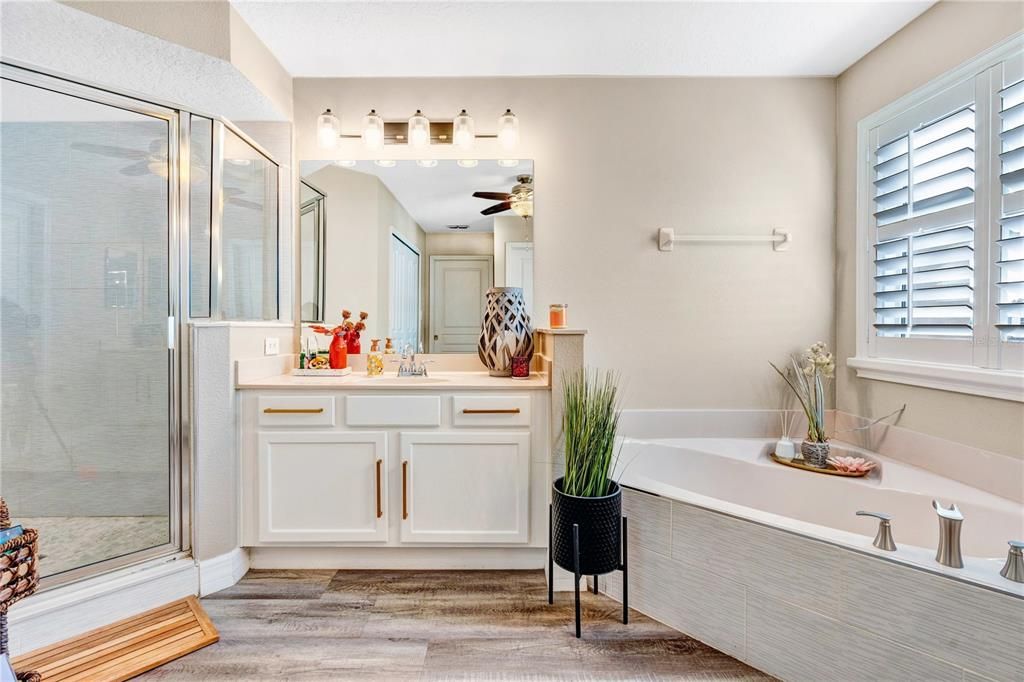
pixel 521 366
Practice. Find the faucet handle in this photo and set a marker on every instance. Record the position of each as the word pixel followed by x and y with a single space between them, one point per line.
pixel 1013 569
pixel 952 513
pixel 883 538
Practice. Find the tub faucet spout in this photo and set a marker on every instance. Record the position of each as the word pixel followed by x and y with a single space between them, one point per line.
pixel 950 520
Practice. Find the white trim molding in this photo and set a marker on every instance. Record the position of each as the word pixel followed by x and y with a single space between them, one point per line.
pixel 221 572
pixel 992 383
pixel 62 612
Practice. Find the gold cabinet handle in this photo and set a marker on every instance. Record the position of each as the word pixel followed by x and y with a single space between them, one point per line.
pixel 301 410
pixel 511 410
pixel 380 509
pixel 405 490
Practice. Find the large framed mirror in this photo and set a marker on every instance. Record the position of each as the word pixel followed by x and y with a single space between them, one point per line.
pixel 414 244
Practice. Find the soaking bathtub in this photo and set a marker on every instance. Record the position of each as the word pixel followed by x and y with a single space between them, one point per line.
pixel 771 564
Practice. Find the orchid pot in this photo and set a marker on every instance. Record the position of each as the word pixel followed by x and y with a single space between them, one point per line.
pixel 815 454
pixel 807 376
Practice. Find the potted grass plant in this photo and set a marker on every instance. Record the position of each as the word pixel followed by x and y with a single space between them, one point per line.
pixel 586 496
pixel 807 376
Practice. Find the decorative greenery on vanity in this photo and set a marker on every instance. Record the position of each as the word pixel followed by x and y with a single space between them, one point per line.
pixel 590 420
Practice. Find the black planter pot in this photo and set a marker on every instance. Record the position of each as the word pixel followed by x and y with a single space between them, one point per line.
pixel 599 520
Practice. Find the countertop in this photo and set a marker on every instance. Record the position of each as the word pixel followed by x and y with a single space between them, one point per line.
pixel 436 381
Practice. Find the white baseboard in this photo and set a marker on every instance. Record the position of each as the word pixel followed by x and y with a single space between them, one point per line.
pixel 222 571
pixel 398 558
pixel 52 615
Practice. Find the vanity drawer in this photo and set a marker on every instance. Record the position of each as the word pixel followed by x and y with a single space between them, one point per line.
pixel 314 410
pixel 491 410
pixel 393 410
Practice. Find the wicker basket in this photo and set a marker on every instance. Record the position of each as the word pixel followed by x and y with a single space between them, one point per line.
pixel 19 576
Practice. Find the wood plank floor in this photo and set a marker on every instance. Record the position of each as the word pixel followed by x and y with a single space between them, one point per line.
pixel 434 625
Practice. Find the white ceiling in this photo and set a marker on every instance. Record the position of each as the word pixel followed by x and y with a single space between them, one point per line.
pixel 419 39
pixel 443 195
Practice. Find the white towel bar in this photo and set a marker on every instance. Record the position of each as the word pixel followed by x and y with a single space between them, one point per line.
pixel 779 239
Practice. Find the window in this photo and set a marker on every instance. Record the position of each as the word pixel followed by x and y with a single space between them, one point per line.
pixel 941 232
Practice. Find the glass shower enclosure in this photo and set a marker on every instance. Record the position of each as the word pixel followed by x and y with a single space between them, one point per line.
pixel 97 272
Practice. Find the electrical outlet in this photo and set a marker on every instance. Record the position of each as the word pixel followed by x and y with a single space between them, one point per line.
pixel 271 345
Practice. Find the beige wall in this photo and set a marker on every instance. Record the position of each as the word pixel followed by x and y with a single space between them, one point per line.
pixel 202 25
pixel 618 158
pixel 361 214
pixel 939 40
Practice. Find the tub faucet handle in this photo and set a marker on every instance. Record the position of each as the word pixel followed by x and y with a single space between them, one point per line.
pixel 883 538
pixel 950 521
pixel 1014 568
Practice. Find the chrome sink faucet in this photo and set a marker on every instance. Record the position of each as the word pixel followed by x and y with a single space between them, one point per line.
pixel 950 520
pixel 408 366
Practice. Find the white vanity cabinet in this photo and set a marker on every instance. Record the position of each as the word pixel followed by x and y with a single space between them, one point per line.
pixel 416 471
pixel 322 486
pixel 465 487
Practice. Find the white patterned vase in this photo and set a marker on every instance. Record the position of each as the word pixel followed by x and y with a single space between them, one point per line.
pixel 505 332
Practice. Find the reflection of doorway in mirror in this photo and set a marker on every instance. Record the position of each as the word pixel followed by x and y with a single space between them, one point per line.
pixel 519 272
pixel 404 327
pixel 458 288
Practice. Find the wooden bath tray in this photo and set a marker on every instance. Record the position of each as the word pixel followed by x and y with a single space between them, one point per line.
pixel 127 648
pixel 831 471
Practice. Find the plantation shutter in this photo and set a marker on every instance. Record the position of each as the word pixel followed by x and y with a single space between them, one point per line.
pixel 923 179
pixel 1010 237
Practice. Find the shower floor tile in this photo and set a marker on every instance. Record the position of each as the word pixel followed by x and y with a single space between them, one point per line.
pixel 67 542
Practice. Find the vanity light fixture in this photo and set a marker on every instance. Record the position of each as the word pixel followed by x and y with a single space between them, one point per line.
pixel 508 130
pixel 508 163
pixel 467 163
pixel 328 130
pixel 426 163
pixel 419 131
pixel 373 130
pixel 345 163
pixel 385 163
pixel 463 131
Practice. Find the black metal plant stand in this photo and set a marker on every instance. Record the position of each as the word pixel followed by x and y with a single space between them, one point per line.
pixel 623 566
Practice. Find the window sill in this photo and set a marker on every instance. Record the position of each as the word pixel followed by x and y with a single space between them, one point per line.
pixel 991 383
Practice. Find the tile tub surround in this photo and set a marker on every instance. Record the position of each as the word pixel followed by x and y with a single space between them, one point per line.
pixel 802 609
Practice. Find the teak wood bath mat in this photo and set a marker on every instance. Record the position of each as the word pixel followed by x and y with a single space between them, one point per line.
pixel 127 648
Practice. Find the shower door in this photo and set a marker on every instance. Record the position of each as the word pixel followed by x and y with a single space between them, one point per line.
pixel 89 291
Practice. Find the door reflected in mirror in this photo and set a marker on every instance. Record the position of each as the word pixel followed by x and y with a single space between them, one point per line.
pixel 415 246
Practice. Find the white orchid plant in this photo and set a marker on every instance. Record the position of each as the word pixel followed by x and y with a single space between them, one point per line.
pixel 807 377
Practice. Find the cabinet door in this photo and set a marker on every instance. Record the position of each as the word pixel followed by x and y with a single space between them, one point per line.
pixel 323 487
pixel 465 487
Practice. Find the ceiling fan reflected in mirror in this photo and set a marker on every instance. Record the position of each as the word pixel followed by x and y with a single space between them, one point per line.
pixel 519 200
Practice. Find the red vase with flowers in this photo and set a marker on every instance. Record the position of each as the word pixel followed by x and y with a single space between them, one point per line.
pixel 344 338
